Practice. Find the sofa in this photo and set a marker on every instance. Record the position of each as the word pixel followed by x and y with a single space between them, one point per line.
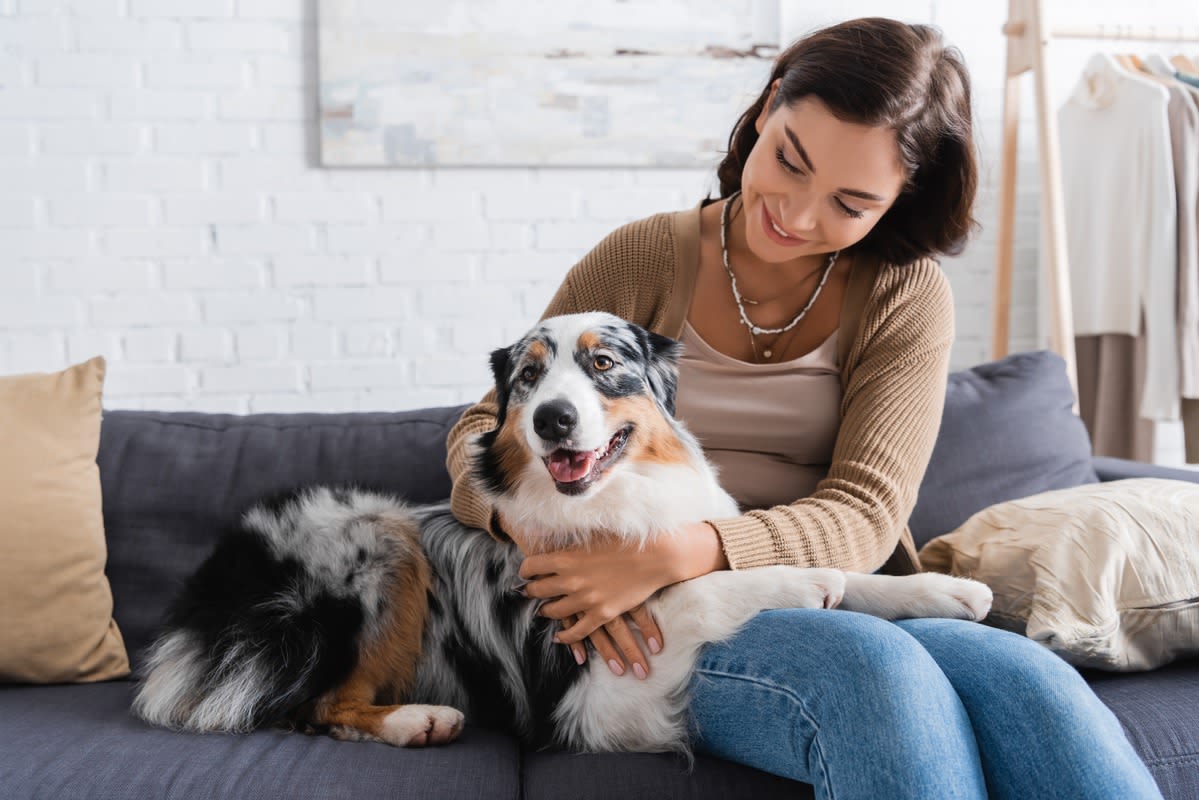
pixel 173 481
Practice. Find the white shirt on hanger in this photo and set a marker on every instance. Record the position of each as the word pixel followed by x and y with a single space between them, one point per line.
pixel 1121 218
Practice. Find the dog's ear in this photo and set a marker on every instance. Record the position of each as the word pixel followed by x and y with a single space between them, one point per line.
pixel 662 367
pixel 501 368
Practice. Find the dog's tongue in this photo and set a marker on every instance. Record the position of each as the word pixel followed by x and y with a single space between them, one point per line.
pixel 568 466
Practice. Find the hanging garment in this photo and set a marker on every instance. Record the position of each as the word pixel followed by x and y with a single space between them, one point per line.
pixel 1121 220
pixel 1184 137
pixel 1111 378
pixel 1183 115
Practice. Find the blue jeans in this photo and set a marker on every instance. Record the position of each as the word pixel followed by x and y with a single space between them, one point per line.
pixel 926 708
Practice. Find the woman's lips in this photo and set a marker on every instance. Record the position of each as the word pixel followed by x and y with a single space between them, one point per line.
pixel 768 224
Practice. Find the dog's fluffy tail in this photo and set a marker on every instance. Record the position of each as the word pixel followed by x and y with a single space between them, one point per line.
pixel 272 620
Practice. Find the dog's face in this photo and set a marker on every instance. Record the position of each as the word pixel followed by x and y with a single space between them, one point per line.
pixel 579 394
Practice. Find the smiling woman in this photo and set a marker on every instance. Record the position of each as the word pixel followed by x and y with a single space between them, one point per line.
pixel 816 327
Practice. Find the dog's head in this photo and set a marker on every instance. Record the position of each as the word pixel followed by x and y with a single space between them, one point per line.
pixel 578 395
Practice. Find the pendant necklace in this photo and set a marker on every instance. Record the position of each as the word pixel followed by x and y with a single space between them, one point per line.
pixel 757 330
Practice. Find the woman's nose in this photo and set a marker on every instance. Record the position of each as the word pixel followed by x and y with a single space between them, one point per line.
pixel 798 214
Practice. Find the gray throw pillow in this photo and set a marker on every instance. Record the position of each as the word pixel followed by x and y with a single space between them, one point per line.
pixel 1009 431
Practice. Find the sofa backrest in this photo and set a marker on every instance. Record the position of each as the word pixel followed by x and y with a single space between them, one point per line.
pixel 173 482
pixel 1009 431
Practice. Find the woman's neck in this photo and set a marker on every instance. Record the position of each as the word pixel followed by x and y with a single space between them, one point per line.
pixel 763 280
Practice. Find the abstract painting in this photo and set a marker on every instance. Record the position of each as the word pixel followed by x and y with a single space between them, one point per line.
pixel 534 83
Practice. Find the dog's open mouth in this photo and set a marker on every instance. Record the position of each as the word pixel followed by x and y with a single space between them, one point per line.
pixel 574 471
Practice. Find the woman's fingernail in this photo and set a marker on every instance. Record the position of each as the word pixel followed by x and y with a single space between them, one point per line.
pixel 653 645
pixel 615 666
pixel 639 671
pixel 578 655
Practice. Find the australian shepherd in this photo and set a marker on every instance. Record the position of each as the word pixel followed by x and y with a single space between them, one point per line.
pixel 352 613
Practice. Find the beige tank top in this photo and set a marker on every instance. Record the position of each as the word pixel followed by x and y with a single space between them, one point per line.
pixel 768 428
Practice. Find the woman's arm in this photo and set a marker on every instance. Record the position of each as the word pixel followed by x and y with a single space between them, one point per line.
pixel 891 413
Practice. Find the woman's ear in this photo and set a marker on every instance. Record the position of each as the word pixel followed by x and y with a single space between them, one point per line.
pixel 760 122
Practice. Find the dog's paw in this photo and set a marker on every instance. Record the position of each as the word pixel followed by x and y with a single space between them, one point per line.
pixel 418 726
pixel 820 588
pixel 957 598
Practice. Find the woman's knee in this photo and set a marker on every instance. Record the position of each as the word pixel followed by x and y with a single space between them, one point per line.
pixel 837 690
pixel 1000 667
pixel 836 658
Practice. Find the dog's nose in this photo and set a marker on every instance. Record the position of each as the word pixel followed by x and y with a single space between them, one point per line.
pixel 555 420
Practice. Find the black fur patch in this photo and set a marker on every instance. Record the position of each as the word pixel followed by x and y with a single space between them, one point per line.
pixel 229 604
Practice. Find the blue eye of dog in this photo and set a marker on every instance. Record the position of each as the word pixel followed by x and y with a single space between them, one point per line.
pixel 529 374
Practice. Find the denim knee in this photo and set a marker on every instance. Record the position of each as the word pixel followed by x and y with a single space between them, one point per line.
pixel 844 667
pixel 838 699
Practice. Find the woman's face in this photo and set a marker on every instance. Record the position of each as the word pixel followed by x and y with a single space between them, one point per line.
pixel 813 183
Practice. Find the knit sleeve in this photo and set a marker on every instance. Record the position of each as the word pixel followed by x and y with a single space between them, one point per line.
pixel 891 413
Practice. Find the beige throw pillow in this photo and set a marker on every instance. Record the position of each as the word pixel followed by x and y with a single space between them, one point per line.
pixel 56 622
pixel 1106 575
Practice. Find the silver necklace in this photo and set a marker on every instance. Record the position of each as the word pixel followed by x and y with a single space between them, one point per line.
pixel 757 330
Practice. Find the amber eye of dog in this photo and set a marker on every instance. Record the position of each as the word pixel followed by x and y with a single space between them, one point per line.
pixel 529 374
pixel 603 363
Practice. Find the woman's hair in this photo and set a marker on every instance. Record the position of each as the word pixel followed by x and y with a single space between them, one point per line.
pixel 883 73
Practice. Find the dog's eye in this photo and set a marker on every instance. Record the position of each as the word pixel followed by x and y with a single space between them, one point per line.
pixel 529 374
pixel 603 363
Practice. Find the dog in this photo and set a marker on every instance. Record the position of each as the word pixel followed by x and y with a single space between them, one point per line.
pixel 348 612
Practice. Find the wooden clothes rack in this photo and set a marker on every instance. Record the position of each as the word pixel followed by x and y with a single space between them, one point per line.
pixel 1028 34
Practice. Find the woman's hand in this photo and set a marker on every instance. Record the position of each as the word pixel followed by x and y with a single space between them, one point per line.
pixel 593 589
pixel 617 645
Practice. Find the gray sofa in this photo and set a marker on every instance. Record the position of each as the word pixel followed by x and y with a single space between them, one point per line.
pixel 172 481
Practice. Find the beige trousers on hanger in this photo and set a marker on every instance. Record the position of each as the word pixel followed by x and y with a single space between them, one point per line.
pixel 1111 378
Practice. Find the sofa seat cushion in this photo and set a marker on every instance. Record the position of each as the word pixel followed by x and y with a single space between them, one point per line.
pixel 173 482
pixel 600 776
pixel 1157 710
pixel 67 742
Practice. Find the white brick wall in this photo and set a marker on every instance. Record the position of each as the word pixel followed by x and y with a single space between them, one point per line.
pixel 160 204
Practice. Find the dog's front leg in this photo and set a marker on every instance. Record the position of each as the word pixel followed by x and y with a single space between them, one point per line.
pixel 928 594
pixel 713 607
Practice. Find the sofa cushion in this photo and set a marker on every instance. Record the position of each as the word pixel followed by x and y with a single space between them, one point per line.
pixel 172 482
pixel 1008 431
pixel 1157 710
pixel 68 742
pixel 600 776
pixel 1102 575
pixel 56 621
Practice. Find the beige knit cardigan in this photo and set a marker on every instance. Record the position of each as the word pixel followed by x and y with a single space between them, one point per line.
pixel 896 330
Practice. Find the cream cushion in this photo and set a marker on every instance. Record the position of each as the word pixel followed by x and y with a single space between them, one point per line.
pixel 1106 575
pixel 56 622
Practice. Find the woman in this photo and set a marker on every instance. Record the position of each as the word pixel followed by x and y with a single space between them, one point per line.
pixel 817 331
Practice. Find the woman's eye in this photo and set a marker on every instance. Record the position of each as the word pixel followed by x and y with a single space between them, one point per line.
pixel 850 212
pixel 603 363
pixel 782 159
pixel 529 374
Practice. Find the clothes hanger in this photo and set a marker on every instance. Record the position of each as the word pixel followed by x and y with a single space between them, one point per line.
pixel 1126 60
pixel 1184 64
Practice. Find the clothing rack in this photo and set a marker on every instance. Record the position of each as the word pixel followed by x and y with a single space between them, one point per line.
pixel 1028 33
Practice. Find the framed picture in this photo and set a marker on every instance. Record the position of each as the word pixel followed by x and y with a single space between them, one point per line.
pixel 655 83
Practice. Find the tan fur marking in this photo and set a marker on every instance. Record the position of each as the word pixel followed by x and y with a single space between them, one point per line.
pixel 654 440
pixel 538 351
pixel 509 446
pixel 386 665
pixel 589 340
